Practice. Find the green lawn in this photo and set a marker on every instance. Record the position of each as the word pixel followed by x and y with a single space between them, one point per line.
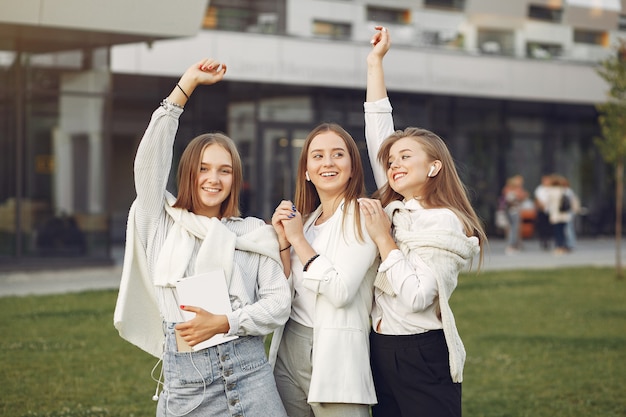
pixel 540 343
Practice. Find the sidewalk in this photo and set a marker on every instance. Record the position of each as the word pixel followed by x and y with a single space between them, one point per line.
pixel 589 252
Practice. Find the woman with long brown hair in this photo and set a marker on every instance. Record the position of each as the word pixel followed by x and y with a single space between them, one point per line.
pixel 199 236
pixel 322 356
pixel 426 233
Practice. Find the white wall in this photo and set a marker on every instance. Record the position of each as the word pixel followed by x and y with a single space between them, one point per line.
pixel 313 62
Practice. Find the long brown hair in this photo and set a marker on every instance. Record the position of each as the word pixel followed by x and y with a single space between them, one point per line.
pixel 189 167
pixel 307 198
pixel 445 190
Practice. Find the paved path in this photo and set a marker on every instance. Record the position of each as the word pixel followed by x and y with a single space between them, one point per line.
pixel 589 252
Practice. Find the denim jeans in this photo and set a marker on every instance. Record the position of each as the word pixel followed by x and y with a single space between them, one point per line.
pixel 230 379
pixel 513 237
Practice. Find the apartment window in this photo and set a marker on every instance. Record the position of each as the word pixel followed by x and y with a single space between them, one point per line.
pixel 496 42
pixel 542 50
pixel 386 15
pixel 591 37
pixel 442 38
pixel 332 30
pixel 546 14
pixel 227 18
pixel 259 16
pixel 445 4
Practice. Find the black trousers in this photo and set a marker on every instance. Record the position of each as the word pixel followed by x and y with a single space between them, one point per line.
pixel 412 376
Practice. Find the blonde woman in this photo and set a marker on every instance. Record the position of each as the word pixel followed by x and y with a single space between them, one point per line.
pixel 417 355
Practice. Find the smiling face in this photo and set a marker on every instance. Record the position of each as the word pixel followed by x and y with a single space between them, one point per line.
pixel 215 180
pixel 329 164
pixel 407 167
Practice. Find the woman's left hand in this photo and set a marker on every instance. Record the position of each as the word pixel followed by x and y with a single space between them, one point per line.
pixel 203 326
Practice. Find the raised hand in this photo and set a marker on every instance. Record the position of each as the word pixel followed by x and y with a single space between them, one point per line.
pixel 381 42
pixel 206 72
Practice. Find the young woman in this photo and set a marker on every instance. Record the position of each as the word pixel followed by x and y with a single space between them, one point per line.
pixel 417 355
pixel 322 357
pixel 170 239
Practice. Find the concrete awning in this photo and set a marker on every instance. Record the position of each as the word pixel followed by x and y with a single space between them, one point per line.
pixel 59 25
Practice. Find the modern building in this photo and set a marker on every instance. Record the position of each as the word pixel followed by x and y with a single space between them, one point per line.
pixel 511 86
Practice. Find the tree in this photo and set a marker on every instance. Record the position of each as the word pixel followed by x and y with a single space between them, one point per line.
pixel 612 144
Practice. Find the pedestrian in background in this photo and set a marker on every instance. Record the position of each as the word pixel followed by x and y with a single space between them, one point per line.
pixel 560 212
pixel 514 195
pixel 570 227
pixel 543 227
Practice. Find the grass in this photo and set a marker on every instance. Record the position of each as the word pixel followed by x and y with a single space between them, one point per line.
pixel 540 343
pixel 543 343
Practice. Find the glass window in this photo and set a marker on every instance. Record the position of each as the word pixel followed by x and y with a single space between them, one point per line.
pixel 496 42
pixel 547 14
pixel 259 16
pixel 52 143
pixel 445 4
pixel 387 15
pixel 542 50
pixel 591 37
pixel 332 30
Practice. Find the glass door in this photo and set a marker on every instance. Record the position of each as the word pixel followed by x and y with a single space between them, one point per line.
pixel 280 154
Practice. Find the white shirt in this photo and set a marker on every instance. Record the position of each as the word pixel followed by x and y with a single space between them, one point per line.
pixel 303 303
pixel 415 308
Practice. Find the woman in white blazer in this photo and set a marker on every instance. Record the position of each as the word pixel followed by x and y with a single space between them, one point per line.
pixel 322 355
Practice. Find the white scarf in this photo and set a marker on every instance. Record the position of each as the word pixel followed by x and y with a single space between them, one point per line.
pixel 216 251
pixel 446 252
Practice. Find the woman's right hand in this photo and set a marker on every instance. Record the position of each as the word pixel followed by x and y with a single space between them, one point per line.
pixel 206 72
pixel 286 210
pixel 381 42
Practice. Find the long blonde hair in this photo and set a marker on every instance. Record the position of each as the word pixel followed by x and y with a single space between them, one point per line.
pixel 445 190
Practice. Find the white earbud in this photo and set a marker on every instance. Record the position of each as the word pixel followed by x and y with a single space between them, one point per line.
pixel 306 174
pixel 155 397
pixel 432 169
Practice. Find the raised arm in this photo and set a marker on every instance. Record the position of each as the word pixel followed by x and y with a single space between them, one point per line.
pixel 378 118
pixel 153 160
pixel 381 42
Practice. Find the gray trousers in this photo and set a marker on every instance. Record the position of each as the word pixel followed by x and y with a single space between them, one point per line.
pixel 293 377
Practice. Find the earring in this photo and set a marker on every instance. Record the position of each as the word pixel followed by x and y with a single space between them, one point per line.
pixel 306 175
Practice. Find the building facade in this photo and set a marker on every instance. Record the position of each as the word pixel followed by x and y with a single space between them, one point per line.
pixel 511 86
